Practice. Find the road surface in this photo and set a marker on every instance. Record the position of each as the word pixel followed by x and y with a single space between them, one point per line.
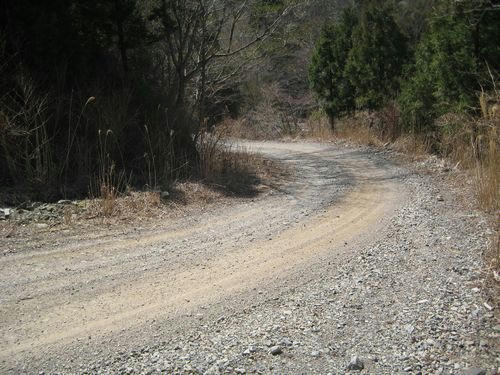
pixel 96 300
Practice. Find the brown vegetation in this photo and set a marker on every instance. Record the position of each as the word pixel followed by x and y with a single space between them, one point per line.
pixel 224 170
pixel 474 148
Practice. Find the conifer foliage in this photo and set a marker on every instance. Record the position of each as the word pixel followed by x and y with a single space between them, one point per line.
pixel 358 60
pixel 363 60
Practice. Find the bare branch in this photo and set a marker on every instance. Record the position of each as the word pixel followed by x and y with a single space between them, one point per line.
pixel 259 38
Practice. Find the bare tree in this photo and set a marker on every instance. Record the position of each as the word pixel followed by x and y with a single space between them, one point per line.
pixel 200 34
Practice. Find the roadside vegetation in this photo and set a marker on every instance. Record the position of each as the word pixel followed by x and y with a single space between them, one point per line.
pixel 102 98
pixel 421 77
pixel 115 97
pixel 432 92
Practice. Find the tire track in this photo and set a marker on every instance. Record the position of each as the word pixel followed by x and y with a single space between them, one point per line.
pixel 218 266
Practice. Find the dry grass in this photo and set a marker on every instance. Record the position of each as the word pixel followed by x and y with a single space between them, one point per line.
pixel 127 207
pixel 360 135
pixel 487 177
pixel 487 145
pixel 473 144
pixel 355 129
pixel 318 127
pixel 231 169
pixel 223 170
pixel 24 138
pixel 416 147
pixel 487 181
pixel 193 193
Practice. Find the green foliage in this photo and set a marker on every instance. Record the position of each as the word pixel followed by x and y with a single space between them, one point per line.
pixel 327 74
pixel 451 64
pixel 375 61
pixel 411 17
pixel 358 60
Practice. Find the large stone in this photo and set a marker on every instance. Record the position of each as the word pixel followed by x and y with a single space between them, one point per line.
pixel 355 364
pixel 275 350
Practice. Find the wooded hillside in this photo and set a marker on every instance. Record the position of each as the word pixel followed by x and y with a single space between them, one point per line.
pixel 116 92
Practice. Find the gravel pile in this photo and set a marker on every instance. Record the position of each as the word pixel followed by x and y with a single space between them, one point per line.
pixel 41 212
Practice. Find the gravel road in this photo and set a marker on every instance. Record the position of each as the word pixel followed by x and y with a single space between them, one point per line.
pixel 356 264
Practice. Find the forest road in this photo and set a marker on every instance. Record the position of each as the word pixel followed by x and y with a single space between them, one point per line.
pixel 89 298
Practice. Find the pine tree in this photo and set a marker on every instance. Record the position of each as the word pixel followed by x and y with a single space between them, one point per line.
pixel 376 59
pixel 327 70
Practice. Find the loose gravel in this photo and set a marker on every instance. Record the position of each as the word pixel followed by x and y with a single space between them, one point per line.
pixel 407 300
pixel 410 302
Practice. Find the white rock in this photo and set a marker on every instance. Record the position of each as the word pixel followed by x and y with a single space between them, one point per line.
pixel 356 363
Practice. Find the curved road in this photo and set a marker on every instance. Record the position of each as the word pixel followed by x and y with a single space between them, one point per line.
pixel 94 296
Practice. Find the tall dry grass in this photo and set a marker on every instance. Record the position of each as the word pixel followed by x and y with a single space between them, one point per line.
pixel 357 128
pixel 486 148
pixel 24 140
pixel 69 136
pixel 317 126
pixel 471 142
pixel 225 166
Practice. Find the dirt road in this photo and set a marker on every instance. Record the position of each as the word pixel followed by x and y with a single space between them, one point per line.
pixel 103 300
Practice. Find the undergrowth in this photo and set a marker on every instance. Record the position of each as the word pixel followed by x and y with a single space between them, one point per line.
pixel 222 169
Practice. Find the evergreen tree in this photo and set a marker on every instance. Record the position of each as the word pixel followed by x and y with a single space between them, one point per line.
pixel 377 56
pixel 327 70
pixel 452 62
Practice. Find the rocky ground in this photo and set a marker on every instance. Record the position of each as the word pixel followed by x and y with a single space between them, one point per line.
pixel 408 303
pixel 402 292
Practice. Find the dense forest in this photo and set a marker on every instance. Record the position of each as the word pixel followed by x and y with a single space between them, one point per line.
pixel 96 94
pixel 366 59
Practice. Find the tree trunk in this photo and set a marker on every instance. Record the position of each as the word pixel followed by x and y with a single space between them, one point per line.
pixel 202 61
pixel 181 88
pixel 121 38
pixel 123 50
pixel 183 141
pixel 331 121
pixel 201 99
